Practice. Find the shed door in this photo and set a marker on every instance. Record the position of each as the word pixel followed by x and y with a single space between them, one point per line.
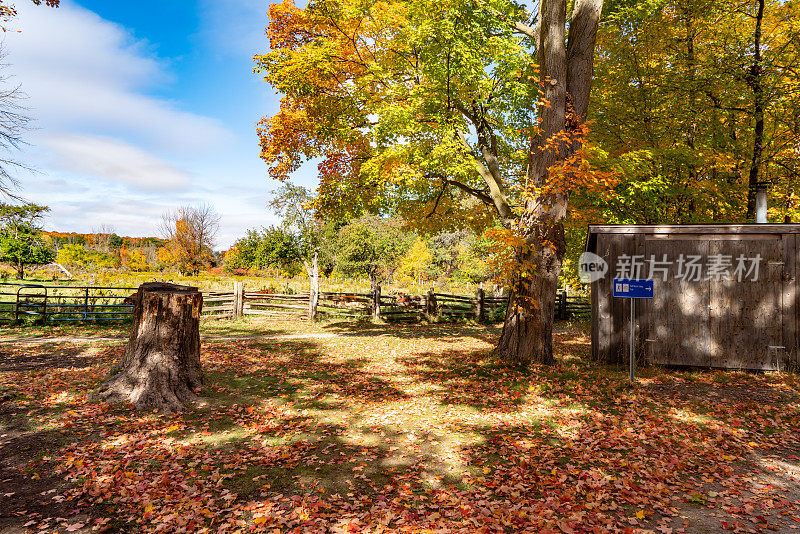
pixel 678 317
pixel 746 316
pixel 713 321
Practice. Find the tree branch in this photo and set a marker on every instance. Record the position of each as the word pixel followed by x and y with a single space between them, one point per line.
pixel 480 195
pixel 718 105
pixel 499 200
pixel 580 52
pixel 519 27
pixel 532 32
pixel 438 199
pixel 483 196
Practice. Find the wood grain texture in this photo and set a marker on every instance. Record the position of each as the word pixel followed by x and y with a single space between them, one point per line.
pixel 161 365
pixel 708 321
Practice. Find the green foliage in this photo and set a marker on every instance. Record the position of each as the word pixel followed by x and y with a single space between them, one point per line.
pixel 371 246
pixel 297 206
pixel 271 247
pixel 78 256
pixel 21 241
pixel 458 257
pixel 279 247
pixel 21 245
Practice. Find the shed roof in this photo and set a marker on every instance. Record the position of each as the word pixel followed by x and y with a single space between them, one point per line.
pixel 667 229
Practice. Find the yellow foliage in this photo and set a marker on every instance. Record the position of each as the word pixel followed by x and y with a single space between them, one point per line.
pixel 136 261
pixel 415 261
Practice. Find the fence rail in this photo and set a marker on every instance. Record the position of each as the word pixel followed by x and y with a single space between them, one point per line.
pixel 393 307
pixel 91 303
pixel 64 303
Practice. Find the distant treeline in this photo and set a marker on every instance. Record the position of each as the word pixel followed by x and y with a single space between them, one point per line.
pixel 96 251
pixel 188 246
pixel 111 241
pixel 379 249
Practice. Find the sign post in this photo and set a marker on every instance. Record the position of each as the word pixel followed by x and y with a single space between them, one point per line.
pixel 632 289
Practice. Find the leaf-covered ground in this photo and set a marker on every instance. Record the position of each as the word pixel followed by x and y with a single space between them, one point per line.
pixel 348 428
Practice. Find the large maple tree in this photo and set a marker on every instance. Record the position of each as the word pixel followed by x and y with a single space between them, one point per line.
pixel 442 111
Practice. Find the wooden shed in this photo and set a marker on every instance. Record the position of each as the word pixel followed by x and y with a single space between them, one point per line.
pixel 724 295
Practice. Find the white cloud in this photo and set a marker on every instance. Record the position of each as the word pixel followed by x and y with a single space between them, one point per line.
pixel 115 161
pixel 132 216
pixel 235 27
pixel 108 147
pixel 83 72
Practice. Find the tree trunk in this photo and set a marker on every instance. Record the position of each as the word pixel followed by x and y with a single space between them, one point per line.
pixel 754 80
pixel 527 335
pixel 566 77
pixel 373 280
pixel 313 275
pixel 161 365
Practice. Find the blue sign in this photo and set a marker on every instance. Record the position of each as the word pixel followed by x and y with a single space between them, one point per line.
pixel 625 288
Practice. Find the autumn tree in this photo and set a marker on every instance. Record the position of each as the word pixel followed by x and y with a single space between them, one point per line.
pixel 191 232
pixel 371 246
pixel 442 112
pixel 695 102
pixel 79 257
pixel 415 262
pixel 21 242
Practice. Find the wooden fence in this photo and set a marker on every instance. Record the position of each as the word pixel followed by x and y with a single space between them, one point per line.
pixel 87 303
pixel 392 307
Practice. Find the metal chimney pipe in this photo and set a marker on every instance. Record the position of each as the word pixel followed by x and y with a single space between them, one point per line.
pixel 761 203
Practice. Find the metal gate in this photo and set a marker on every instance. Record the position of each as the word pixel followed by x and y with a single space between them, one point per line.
pixel 64 303
pixel 31 301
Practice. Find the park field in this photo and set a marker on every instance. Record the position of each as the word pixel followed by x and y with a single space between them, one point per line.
pixel 224 282
pixel 359 427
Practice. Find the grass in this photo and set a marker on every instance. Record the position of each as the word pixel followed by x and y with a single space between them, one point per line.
pixel 362 427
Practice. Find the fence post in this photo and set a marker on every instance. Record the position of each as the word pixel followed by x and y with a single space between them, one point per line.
pixel 562 305
pixel 480 312
pixel 376 302
pixel 238 300
pixel 86 304
pixel 430 304
pixel 234 303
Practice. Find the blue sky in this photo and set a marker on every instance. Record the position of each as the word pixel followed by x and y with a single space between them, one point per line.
pixel 141 107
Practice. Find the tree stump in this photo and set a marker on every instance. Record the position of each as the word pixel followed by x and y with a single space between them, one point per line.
pixel 161 365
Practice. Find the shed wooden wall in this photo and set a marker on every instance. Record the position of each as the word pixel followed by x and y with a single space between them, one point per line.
pixel 709 323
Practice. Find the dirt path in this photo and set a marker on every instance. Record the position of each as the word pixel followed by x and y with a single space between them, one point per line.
pixel 27 493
